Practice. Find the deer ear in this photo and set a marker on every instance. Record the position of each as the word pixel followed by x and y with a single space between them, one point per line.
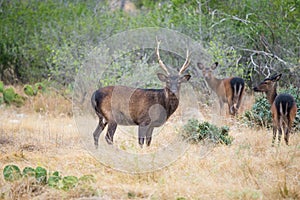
pixel 185 78
pixel 278 77
pixel 215 65
pixel 162 77
pixel 200 65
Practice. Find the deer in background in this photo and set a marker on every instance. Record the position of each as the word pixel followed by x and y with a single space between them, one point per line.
pixel 283 107
pixel 145 108
pixel 229 90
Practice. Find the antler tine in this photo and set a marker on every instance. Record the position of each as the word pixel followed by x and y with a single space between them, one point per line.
pixel 161 64
pixel 186 63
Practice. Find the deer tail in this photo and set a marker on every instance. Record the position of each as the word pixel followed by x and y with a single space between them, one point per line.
pixel 94 104
pixel 237 85
pixel 284 104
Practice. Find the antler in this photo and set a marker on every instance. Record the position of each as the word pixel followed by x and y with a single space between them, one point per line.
pixel 186 63
pixel 161 64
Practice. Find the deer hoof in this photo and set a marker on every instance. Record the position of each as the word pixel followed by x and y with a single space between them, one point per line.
pixel 141 142
pixel 108 140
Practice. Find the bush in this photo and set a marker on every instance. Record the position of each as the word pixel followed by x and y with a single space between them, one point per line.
pixel 55 180
pixel 260 114
pixel 12 173
pixel 194 132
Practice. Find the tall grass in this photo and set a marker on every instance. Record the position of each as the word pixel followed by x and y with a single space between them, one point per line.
pixel 248 169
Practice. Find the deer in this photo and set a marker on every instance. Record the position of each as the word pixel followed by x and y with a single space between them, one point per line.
pixel 145 108
pixel 283 107
pixel 229 90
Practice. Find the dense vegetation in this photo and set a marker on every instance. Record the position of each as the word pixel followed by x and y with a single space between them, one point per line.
pixel 48 39
pixel 196 132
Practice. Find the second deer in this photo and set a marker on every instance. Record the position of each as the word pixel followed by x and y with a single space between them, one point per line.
pixel 229 90
pixel 283 107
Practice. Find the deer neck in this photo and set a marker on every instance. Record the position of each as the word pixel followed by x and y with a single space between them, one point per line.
pixel 171 103
pixel 271 95
pixel 214 83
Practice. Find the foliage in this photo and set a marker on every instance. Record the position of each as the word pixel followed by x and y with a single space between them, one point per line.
pixel 1 87
pixel 28 90
pixel 260 114
pixel 49 40
pixel 11 97
pixel 38 87
pixel 28 172
pixel 13 173
pixel 194 131
pixel 41 175
pixel 69 182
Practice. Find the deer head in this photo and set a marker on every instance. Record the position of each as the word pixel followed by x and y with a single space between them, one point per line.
pixel 172 81
pixel 268 84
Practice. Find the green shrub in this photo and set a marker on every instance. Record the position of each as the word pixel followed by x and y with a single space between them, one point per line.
pixel 11 173
pixel 54 180
pixel 260 114
pixel 69 182
pixel 18 100
pixel 9 95
pixel 194 132
pixel 41 175
pixel 28 172
pixel 28 90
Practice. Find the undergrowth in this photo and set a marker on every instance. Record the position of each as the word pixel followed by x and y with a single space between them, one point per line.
pixel 195 131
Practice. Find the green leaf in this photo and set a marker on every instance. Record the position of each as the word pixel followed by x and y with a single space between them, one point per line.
pixel 11 173
pixel 28 171
pixel 69 182
pixel 18 100
pixel 29 91
pixel 41 175
pixel 9 95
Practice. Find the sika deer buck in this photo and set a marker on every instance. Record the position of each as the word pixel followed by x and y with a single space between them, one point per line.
pixel 283 107
pixel 229 90
pixel 145 108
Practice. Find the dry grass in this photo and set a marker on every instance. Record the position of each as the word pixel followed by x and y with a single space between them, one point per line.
pixel 248 169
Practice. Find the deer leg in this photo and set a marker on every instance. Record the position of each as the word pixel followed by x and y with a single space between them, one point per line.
pixel 112 126
pixel 221 106
pixel 279 134
pixel 142 134
pixel 274 135
pixel 98 130
pixel 231 109
pixel 286 135
pixel 239 102
pixel 287 132
pixel 149 136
